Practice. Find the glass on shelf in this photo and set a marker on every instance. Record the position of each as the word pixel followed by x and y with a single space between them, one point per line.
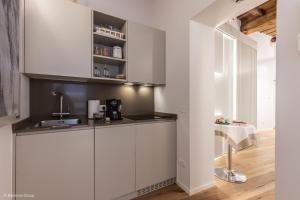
pixel 108 71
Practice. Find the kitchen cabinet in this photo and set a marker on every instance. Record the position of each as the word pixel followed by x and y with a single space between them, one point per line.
pixel 155 153
pixel 58 35
pixel 146 54
pixel 56 166
pixel 114 162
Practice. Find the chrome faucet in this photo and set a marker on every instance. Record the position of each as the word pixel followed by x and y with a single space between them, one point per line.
pixel 61 97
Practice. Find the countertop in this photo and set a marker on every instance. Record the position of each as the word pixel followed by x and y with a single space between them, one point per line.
pixel 27 126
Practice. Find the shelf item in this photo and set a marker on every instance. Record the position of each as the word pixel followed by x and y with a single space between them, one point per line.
pixel 102 50
pixel 113 52
pixel 109 32
pixel 117 52
pixel 108 60
pixel 109 71
pixel 107 40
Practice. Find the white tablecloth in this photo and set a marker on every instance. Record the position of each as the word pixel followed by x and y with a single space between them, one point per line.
pixel 239 136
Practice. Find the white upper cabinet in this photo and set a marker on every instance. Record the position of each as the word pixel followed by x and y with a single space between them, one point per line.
pixel 58 38
pixel 146 54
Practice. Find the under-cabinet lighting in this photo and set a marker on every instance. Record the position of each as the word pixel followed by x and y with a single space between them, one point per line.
pixel 129 84
pixel 147 85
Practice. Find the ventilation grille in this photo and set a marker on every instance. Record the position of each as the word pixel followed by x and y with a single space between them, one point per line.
pixel 156 186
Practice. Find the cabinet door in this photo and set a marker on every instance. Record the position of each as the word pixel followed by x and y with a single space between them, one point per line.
pixel 155 153
pixel 56 166
pixel 57 38
pixel 159 57
pixel 140 53
pixel 146 54
pixel 114 162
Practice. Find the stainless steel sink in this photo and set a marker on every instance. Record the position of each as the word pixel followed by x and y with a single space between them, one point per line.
pixel 57 123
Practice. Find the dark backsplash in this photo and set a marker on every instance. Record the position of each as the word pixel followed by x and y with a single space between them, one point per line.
pixel 135 99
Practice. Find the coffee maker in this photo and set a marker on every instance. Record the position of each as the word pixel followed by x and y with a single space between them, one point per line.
pixel 113 109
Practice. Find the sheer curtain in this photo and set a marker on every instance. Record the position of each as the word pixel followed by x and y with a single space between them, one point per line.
pixel 235 75
pixel 235 79
pixel 247 83
pixel 9 58
pixel 224 76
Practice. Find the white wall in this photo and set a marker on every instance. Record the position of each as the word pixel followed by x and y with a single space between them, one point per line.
pixel 189 83
pixel 135 10
pixel 201 107
pixel 266 77
pixel 174 17
pixel 287 101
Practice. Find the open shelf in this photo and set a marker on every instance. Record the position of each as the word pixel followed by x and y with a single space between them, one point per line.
pixel 101 18
pixel 109 32
pixel 108 60
pixel 109 72
pixel 100 38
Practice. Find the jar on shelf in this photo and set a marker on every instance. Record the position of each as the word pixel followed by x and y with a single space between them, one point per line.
pixel 105 51
pixel 97 50
pixel 117 52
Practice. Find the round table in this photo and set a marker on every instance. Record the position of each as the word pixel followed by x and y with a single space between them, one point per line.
pixel 238 136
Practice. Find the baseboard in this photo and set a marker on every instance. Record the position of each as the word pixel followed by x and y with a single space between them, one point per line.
pixel 128 196
pixel 201 188
pixel 195 190
pixel 183 187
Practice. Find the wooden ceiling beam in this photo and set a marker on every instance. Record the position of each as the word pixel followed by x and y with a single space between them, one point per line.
pixel 267 20
pixel 260 19
pixel 269 31
pixel 265 7
pixel 260 28
pixel 258 12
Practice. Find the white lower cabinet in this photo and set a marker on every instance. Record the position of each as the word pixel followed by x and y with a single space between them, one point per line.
pixel 114 162
pixel 110 163
pixel 155 153
pixel 56 166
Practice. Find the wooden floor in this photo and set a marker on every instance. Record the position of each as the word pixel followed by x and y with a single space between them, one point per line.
pixel 258 163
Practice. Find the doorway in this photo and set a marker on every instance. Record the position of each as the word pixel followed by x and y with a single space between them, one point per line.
pixel 200 163
pixel 253 70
